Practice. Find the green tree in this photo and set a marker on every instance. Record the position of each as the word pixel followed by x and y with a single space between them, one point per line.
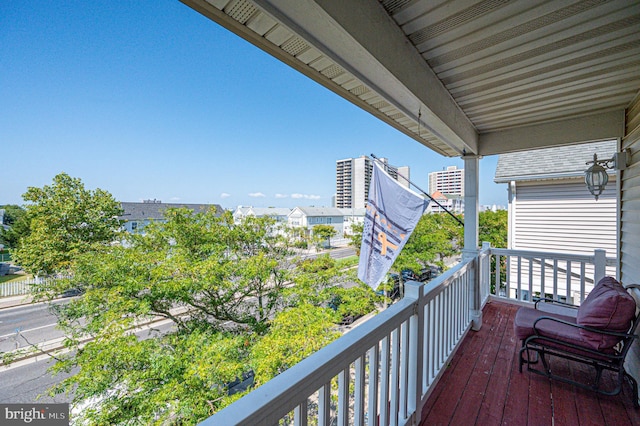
pixel 493 227
pixel 294 335
pixel 228 288
pixel 65 221
pixel 436 237
pixel 355 239
pixel 324 233
pixel 15 218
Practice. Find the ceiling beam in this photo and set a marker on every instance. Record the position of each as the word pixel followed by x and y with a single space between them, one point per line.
pixel 603 126
pixel 361 37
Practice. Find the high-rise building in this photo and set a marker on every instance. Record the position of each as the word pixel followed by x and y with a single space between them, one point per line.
pixel 353 176
pixel 449 181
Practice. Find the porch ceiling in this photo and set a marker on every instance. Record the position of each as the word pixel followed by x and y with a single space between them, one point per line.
pixel 475 76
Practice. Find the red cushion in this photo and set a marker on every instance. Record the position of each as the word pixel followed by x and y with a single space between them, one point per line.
pixel 607 307
pixel 525 317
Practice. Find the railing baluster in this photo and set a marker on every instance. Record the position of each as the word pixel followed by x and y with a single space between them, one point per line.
pixel 300 414
pixel 403 369
pixel 555 279
pixel 395 369
pixel 358 405
pixel 324 405
pixel 582 281
pixel 374 371
pixel 384 381
pixel 519 296
pixel 568 279
pixel 543 271
pixel 343 397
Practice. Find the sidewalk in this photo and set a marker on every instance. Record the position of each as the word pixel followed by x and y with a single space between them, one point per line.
pixel 11 301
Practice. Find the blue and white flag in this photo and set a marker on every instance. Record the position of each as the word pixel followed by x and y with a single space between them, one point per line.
pixel 393 211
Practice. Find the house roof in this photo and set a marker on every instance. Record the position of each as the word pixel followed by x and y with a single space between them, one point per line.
pixel 155 210
pixel 269 211
pixel 353 212
pixel 320 211
pixel 551 163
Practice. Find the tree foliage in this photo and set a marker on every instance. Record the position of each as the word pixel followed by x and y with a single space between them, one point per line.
pixel 15 218
pixel 436 237
pixel 493 227
pixel 65 220
pixel 229 289
pixel 323 233
pixel 355 239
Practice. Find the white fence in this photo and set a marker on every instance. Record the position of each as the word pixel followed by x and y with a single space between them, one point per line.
pixel 17 288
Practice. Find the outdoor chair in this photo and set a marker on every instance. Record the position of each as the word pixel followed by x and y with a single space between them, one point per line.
pixel 598 333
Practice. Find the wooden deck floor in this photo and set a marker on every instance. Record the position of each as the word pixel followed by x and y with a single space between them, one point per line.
pixel 483 386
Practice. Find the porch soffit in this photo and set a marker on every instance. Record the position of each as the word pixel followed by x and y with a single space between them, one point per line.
pixel 476 76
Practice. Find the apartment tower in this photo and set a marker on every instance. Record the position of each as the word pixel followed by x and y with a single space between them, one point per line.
pixel 353 176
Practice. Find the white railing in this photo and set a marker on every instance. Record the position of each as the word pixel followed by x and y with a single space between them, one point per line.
pixel 381 372
pixel 526 275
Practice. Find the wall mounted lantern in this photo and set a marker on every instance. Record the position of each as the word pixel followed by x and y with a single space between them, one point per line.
pixel 596 176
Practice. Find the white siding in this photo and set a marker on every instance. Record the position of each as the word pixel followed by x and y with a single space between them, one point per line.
pixel 564 217
pixel 630 216
pixel 561 216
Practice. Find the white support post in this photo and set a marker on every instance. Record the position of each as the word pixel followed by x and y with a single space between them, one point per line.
pixel 599 264
pixel 470 250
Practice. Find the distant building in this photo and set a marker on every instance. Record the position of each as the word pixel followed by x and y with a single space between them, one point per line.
pixel 308 217
pixel 352 217
pixel 449 202
pixel 138 215
pixel 353 176
pixel 449 181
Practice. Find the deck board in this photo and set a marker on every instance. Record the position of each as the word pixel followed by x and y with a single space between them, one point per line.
pixel 483 386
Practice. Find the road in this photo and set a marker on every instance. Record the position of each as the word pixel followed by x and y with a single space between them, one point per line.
pixel 25 381
pixel 34 323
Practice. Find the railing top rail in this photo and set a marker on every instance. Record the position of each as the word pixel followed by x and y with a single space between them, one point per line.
pixel 589 258
pixel 273 400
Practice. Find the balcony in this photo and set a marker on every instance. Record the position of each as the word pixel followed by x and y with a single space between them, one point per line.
pixel 419 362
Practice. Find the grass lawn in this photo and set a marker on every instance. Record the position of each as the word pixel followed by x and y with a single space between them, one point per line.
pixel 14 277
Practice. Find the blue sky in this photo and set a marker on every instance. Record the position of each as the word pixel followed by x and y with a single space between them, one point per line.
pixel 152 100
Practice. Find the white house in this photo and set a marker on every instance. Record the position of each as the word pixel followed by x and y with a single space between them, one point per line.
pixel 352 216
pixel 550 208
pixel 280 214
pixel 451 202
pixel 308 217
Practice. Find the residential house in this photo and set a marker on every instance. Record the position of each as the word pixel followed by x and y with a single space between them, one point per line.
pixel 352 216
pixel 138 215
pixel 550 208
pixel 308 217
pixel 446 202
pixel 280 214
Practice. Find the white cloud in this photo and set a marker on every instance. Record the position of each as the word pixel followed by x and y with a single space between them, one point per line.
pixel 225 195
pixel 306 196
pixel 175 198
pixel 256 195
pixel 281 195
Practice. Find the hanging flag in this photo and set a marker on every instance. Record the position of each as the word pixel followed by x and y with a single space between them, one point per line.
pixel 393 211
